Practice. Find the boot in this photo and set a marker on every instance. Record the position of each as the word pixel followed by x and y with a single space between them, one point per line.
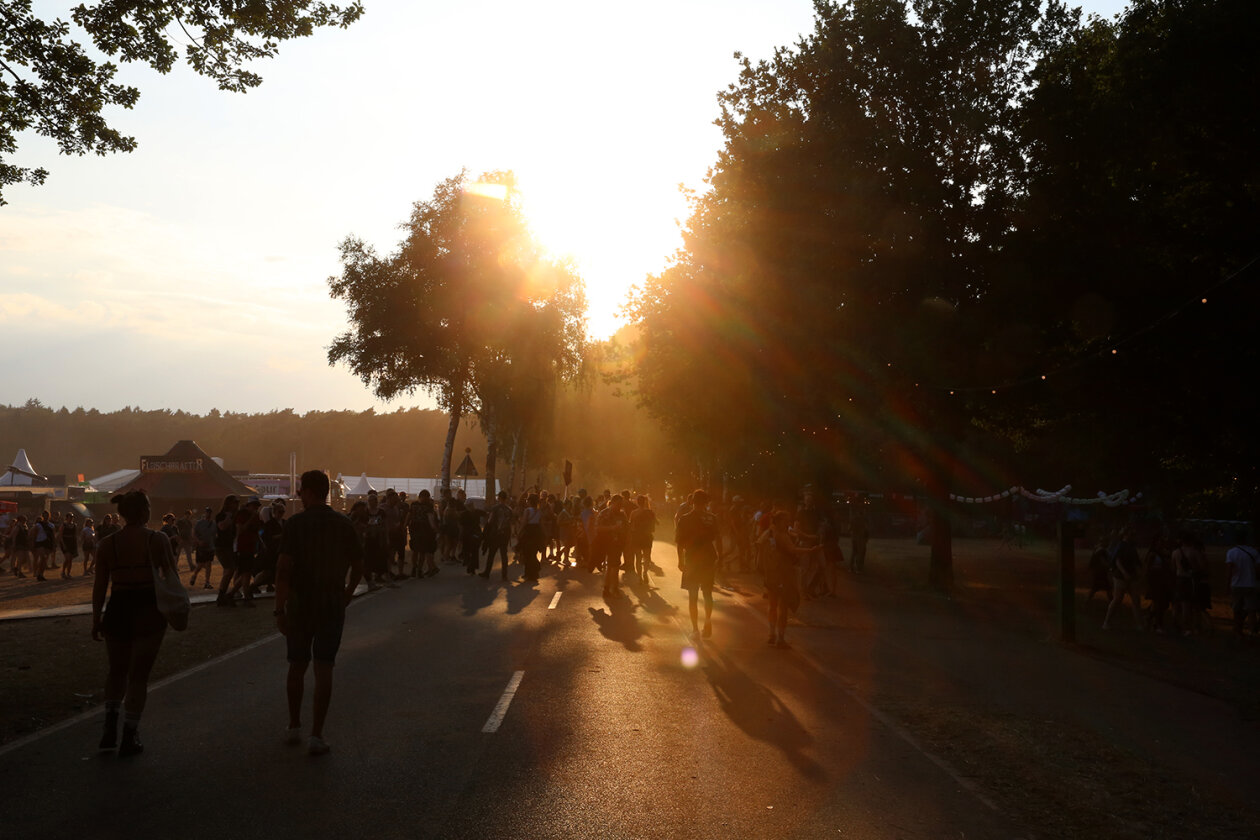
pixel 130 742
pixel 109 738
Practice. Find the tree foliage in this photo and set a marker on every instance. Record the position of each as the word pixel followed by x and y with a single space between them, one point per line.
pixel 52 85
pixel 867 177
pixel 930 224
pixel 467 308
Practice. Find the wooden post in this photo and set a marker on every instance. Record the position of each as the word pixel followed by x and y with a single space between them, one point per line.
pixel 1068 531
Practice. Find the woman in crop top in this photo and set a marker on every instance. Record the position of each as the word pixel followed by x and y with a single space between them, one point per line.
pixel 131 624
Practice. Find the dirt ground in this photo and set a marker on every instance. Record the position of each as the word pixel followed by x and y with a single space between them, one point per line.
pixel 50 669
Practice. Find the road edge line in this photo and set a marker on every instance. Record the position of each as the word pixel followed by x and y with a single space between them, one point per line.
pixel 879 714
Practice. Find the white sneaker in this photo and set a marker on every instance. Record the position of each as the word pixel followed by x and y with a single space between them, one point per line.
pixel 293 736
pixel 317 746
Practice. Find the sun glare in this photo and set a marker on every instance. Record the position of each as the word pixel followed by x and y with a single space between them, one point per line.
pixel 615 231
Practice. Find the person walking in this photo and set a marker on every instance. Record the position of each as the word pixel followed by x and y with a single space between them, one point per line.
pixel 44 544
pixel 225 547
pixel 781 579
pixel 203 540
pixel 498 534
pixel 87 537
pixel 130 623
pixel 187 545
pixel 1126 579
pixel 68 542
pixel 859 534
pixel 1243 561
pixel 422 526
pixel 698 552
pixel 320 564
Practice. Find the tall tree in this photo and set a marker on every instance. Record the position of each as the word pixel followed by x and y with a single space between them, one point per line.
pixel 829 273
pixel 1138 235
pixel 49 84
pixel 466 309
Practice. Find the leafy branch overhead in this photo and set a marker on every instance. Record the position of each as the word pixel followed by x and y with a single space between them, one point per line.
pixel 52 85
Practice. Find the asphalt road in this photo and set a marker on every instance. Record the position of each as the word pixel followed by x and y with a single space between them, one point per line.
pixel 611 733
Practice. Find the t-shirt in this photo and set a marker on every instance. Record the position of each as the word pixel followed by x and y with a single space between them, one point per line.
pixel 697 533
pixel 323 546
pixel 500 523
pixel 1242 566
pixel 643 522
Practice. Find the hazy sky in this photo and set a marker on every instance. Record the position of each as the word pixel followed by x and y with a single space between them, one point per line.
pixel 192 273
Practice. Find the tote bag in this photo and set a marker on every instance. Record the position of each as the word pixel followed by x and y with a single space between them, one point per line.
pixel 172 597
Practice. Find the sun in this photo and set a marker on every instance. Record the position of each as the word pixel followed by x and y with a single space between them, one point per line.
pixel 615 231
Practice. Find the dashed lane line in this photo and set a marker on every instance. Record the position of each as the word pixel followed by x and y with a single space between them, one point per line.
pixel 555 601
pixel 500 710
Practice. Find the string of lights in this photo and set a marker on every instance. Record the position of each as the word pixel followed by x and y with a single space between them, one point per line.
pixel 1110 349
pixel 1061 497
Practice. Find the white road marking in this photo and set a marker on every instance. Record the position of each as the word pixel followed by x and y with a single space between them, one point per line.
pixel 555 601
pixel 187 672
pixel 500 711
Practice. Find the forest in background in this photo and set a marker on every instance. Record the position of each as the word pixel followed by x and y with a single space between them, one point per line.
pixel 611 442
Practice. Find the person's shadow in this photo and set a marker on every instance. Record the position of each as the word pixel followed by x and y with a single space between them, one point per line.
pixel 617 623
pixel 478 595
pixel 521 596
pixel 650 599
pixel 758 712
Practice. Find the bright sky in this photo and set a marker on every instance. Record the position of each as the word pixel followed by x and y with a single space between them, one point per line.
pixel 192 273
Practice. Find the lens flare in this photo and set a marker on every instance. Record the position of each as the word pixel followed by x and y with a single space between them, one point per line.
pixel 690 658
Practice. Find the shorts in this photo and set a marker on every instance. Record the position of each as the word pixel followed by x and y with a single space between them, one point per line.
pixel 1245 599
pixel 227 558
pixel 699 575
pixel 320 643
pixel 131 613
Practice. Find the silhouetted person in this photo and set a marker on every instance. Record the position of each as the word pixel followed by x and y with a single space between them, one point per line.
pixel 321 561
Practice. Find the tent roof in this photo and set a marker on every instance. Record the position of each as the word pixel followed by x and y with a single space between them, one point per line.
pixel 185 472
pixel 21 473
pixel 362 487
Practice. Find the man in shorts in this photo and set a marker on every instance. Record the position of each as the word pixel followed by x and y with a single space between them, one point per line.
pixel 319 567
pixel 698 553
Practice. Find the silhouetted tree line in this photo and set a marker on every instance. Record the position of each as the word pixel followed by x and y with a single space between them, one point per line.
pixel 406 442
pixel 611 442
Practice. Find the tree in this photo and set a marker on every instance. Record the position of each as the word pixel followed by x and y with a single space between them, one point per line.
pixel 825 294
pixel 467 308
pixel 49 83
pixel 1143 200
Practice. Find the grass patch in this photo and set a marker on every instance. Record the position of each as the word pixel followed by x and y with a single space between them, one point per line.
pixel 50 669
pixel 1064 780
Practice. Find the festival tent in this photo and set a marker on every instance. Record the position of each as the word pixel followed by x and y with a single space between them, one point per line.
pixel 20 473
pixel 362 487
pixel 187 475
pixel 110 482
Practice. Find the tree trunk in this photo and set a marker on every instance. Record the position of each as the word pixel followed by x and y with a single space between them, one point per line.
pixel 511 482
pixel 492 451
pixel 941 565
pixel 448 448
pixel 525 465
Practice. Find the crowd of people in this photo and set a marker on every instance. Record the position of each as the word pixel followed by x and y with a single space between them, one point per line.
pixel 1173 575
pixel 33 546
pixel 314 561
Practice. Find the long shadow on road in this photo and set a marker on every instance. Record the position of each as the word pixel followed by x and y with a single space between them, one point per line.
pixel 757 711
pixel 617 622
